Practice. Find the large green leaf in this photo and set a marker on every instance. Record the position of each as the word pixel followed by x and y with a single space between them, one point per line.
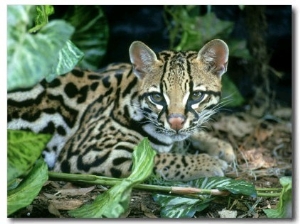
pixel 67 59
pixel 28 189
pixel 240 187
pixel 91 34
pixel 24 148
pixel 31 57
pixel 115 201
pixel 181 207
pixel 284 208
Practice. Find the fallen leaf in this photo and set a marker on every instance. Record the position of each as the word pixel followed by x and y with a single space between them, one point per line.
pixel 262 134
pixel 256 159
pixel 50 196
pixel 53 210
pixel 66 204
pixel 227 213
pixel 284 113
pixel 76 191
pixel 147 212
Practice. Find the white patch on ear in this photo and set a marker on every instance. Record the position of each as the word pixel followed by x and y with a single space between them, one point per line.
pixel 215 54
pixel 142 58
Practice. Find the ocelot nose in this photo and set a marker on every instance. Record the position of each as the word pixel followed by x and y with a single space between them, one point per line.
pixel 176 121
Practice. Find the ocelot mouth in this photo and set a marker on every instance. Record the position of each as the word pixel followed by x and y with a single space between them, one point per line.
pixel 179 136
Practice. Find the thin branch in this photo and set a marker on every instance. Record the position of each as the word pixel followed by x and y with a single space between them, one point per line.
pixel 187 191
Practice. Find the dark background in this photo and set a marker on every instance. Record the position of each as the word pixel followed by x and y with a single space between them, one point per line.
pixel 128 23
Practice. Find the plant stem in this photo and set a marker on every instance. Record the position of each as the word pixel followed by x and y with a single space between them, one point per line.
pixel 188 191
pixel 92 179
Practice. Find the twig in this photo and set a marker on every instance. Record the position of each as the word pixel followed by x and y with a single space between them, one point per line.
pixel 187 191
pixel 92 179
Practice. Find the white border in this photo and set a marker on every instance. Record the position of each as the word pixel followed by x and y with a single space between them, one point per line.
pixel 3 108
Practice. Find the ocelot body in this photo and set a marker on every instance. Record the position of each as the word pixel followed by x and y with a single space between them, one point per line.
pixel 96 118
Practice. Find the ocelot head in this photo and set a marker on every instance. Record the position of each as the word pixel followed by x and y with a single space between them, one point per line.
pixel 179 90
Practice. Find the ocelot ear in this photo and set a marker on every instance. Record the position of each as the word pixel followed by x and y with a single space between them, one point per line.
pixel 215 55
pixel 142 58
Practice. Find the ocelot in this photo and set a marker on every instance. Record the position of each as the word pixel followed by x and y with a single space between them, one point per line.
pixel 96 118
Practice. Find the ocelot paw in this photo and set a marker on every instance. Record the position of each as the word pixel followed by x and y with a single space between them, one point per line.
pixel 213 146
pixel 222 150
pixel 188 167
pixel 210 166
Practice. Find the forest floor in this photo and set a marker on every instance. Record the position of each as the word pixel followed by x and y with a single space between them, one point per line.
pixel 264 154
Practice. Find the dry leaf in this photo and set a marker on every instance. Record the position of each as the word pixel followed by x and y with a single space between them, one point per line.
pixel 53 210
pixel 262 134
pixel 227 213
pixel 284 113
pixel 256 159
pixel 147 212
pixel 66 204
pixel 76 191
pixel 50 196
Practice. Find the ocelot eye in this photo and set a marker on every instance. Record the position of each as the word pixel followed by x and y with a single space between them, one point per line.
pixel 196 96
pixel 156 98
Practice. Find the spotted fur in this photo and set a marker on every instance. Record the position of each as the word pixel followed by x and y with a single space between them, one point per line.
pixel 97 118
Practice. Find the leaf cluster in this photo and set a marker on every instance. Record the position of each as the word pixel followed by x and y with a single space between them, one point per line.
pixel 51 48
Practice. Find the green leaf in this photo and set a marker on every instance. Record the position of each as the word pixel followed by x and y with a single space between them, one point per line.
pixel 24 148
pixel 31 57
pixel 115 201
pixel 179 207
pixel 91 33
pixel 240 187
pixel 68 58
pixel 43 11
pixel 194 30
pixel 238 48
pixel 230 93
pixel 284 207
pixel 28 189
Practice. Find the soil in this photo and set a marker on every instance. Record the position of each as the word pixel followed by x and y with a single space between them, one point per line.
pixel 264 153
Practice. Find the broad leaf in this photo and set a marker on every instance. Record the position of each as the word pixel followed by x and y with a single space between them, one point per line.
pixel 67 59
pixel 115 201
pixel 240 187
pixel 31 57
pixel 284 208
pixel 28 189
pixel 24 148
pixel 181 207
pixel 91 33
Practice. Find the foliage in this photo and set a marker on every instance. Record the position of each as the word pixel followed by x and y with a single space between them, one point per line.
pixel 24 148
pixel 35 53
pixel 284 207
pixel 43 12
pixel 115 201
pixel 178 207
pixel 46 50
pixel 91 33
pixel 32 57
pixel 28 189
